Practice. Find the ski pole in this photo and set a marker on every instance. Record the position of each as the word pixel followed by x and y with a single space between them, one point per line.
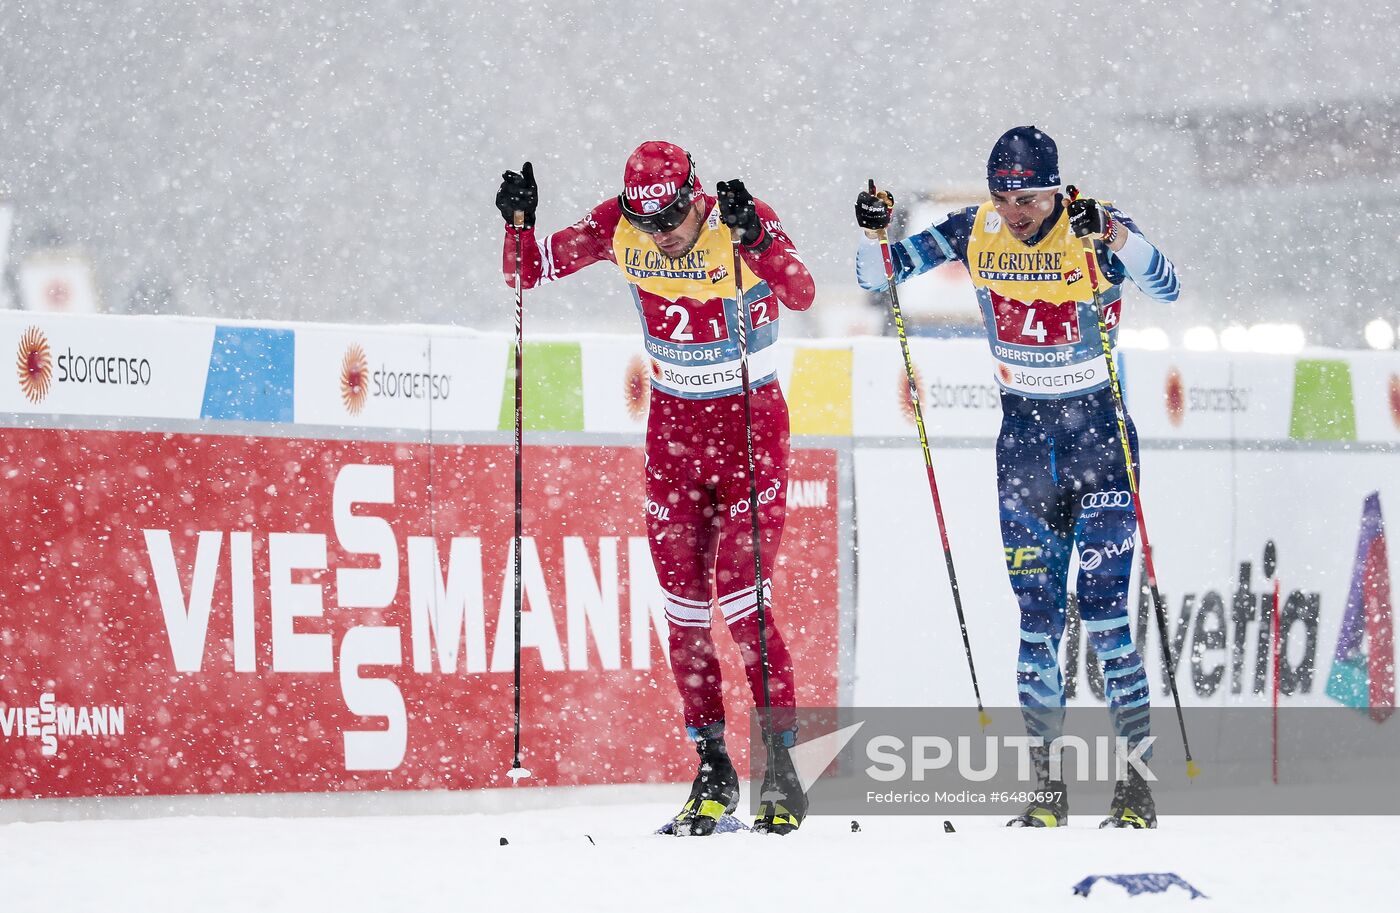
pixel 751 464
pixel 883 237
pixel 517 771
pixel 770 738
pixel 1271 570
pixel 1121 413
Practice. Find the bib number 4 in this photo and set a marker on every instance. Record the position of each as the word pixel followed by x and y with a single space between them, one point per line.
pixel 1039 323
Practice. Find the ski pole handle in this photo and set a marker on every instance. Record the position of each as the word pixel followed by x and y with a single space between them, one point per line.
pixel 880 234
pixel 874 223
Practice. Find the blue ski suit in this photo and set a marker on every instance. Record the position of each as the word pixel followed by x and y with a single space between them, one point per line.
pixel 1061 481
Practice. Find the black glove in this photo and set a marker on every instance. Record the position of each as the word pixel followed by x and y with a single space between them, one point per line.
pixel 518 193
pixel 737 209
pixel 1088 218
pixel 873 210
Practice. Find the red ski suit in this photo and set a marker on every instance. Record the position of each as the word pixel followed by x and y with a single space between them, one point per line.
pixel 697 485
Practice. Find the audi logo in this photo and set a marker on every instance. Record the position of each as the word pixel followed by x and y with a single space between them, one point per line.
pixel 1097 500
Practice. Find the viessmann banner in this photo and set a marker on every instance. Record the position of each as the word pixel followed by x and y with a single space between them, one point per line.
pixel 238 614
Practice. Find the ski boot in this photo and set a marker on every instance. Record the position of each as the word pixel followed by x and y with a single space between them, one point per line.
pixel 782 801
pixel 715 792
pixel 1133 805
pixel 1051 809
pixel 1050 801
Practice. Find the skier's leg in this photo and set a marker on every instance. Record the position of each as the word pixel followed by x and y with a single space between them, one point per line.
pixel 783 804
pixel 681 534
pixel 682 529
pixel 1105 526
pixel 1105 529
pixel 734 564
pixel 1037 563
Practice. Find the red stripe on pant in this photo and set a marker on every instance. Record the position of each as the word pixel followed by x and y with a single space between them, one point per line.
pixel 701 538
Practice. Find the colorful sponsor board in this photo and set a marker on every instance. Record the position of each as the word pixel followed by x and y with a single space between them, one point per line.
pixel 816 381
pixel 957 385
pixel 373 379
pixel 1351 396
pixel 226 614
pixel 1376 387
pixel 453 380
pixel 616 387
pixel 144 368
pixel 1205 396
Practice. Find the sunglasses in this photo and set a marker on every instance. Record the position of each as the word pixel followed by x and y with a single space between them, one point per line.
pixel 668 217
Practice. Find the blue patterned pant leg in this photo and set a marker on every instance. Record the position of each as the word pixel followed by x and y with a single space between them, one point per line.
pixel 1105 531
pixel 1062 485
pixel 1037 563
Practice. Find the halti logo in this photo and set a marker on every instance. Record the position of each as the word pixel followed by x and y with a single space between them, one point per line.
pixel 1090 558
pixel 50 720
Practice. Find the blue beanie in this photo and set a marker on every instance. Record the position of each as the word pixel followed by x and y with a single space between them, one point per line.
pixel 1023 159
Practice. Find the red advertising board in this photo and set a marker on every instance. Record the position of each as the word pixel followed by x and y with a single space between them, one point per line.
pixel 221 614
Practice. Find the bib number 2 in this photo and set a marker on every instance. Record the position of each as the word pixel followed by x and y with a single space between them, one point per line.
pixel 680 333
pixel 687 321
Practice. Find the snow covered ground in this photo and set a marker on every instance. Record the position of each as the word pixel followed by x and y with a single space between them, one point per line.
pixel 455 862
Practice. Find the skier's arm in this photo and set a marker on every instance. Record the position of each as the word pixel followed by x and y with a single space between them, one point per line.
pixel 773 258
pixel 1140 259
pixel 565 251
pixel 916 254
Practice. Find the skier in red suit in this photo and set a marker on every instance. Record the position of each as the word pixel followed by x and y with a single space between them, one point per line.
pixel 672 242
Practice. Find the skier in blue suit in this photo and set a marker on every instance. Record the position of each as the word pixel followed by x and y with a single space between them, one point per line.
pixel 1061 479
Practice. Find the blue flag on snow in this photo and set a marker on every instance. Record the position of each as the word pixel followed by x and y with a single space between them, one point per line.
pixel 1141 883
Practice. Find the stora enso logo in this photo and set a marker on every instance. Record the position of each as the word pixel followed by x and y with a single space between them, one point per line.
pixel 1395 399
pixel 354 379
pixel 1175 398
pixel 34 365
pixel 636 388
